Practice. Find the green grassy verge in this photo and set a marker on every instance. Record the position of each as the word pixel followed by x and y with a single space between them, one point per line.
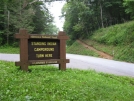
pixel 77 48
pixel 47 83
pixel 120 52
pixel 8 49
pixel 117 40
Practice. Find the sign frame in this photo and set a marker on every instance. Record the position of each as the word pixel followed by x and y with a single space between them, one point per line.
pixel 24 62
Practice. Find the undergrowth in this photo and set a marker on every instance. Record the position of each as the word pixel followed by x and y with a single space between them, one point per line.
pixel 9 49
pixel 117 40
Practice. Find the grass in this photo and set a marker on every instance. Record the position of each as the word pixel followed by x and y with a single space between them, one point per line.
pixel 8 49
pixel 77 48
pixel 117 41
pixel 120 52
pixel 47 83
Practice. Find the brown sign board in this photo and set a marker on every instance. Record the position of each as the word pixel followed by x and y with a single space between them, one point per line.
pixel 41 49
pixel 38 49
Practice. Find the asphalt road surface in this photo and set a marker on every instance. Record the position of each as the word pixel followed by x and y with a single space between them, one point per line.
pixel 87 62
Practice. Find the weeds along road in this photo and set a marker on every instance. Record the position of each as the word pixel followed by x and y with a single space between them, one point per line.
pixel 87 62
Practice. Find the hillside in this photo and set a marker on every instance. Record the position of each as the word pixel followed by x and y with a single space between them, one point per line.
pixel 117 41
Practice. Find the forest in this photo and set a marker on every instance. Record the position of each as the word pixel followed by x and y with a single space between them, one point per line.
pixel 32 15
pixel 82 17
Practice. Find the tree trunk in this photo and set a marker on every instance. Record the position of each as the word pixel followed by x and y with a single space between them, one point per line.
pixel 101 12
pixel 8 18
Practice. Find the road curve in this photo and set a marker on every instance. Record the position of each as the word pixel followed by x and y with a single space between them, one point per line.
pixel 88 62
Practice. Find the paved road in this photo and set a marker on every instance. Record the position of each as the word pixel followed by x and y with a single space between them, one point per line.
pixel 87 62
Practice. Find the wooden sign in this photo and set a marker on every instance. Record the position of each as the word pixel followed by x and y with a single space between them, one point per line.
pixel 37 49
pixel 41 49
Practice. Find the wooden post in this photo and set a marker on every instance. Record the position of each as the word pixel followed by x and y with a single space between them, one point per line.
pixel 63 38
pixel 23 36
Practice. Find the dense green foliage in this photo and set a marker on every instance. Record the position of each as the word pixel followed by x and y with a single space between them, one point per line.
pixel 121 36
pixel 82 17
pixel 30 14
pixel 130 7
pixel 90 19
pixel 9 49
pixel 47 83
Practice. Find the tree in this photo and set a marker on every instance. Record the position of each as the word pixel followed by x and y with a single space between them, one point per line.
pixel 30 14
pixel 129 4
pixel 82 17
pixel 3 21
